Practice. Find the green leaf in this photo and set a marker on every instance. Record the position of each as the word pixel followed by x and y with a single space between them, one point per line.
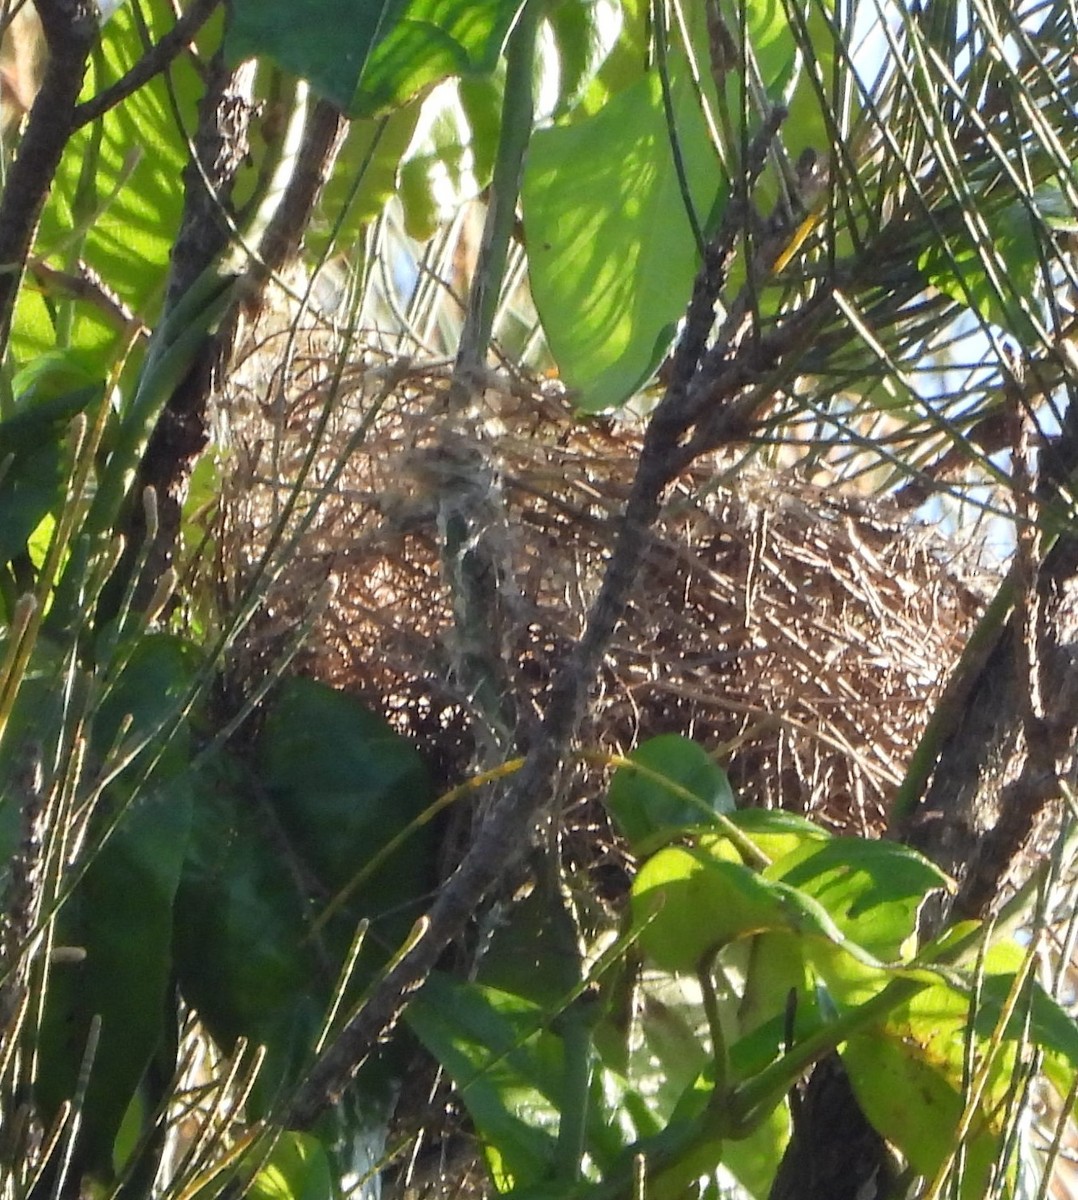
pixel 30 488
pixel 774 46
pixel 242 952
pixel 774 832
pixel 369 158
pixel 121 911
pixel 334 784
pixel 754 1159
pixel 512 1070
pixel 917 1106
pixel 298 1169
pixel 367 57
pixel 904 1096
pixel 682 900
pixel 453 160
pixel 775 965
pixel 872 888
pixel 342 784
pixel 33 457
pixel 115 203
pixel 1003 290
pixel 1051 1028
pixel 643 805
pixel 584 33
pixel 627 62
pixel 692 902
pixel 507 1073
pixel 610 246
pixel 534 950
pixel 666 1052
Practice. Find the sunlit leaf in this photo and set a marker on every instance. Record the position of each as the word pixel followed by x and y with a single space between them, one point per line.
pixel 872 888
pixel 298 1169
pixel 509 1081
pixel 653 800
pixel 369 57
pixel 610 244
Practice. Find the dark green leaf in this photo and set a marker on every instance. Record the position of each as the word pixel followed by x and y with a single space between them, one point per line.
pixel 121 912
pixel 270 850
pixel 643 805
pixel 242 952
pixel 342 783
pixel 366 57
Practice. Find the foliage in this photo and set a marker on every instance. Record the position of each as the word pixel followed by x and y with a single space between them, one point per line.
pixel 210 876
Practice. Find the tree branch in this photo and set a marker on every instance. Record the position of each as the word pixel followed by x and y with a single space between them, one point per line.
pixel 70 28
pixel 153 62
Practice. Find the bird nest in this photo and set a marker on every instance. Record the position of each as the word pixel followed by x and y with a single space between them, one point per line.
pixel 800 633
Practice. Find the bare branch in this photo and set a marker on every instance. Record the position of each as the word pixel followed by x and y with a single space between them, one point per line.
pixel 153 62
pixel 70 28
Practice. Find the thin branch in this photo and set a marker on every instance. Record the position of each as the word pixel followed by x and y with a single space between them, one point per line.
pixel 70 28
pixel 323 134
pixel 156 59
pixel 89 287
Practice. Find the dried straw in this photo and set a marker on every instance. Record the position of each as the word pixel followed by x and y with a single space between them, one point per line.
pixel 800 633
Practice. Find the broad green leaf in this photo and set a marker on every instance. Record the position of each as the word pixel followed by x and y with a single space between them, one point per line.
pixel 1051 1028
pixel 243 956
pixel 121 912
pixel 511 1062
pixel 754 1159
pixel 584 32
pixel 367 57
pixel 775 965
pixel 665 1051
pixel 642 805
pixel 921 1051
pixel 773 44
pixel 116 200
pixel 298 1169
pixel 534 950
pixel 627 62
pixel 691 903
pixel 774 832
pixel 904 1096
pixel 341 784
pixel 916 1106
pixel 805 126
pixel 507 1073
pixel 610 245
pixel 334 784
pixel 33 481
pixel 453 159
pixel 364 176
pixel 872 888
